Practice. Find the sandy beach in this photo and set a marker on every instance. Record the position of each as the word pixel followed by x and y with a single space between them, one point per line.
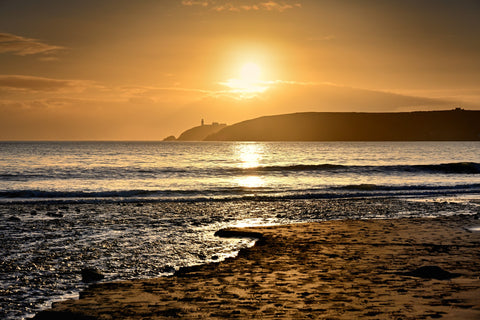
pixel 412 268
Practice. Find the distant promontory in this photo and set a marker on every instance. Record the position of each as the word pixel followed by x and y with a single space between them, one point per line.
pixel 198 133
pixel 451 125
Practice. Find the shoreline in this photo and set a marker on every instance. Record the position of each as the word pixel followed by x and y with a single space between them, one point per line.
pixel 344 269
pixel 127 241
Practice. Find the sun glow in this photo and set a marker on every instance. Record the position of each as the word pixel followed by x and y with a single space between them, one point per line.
pixel 250 72
pixel 248 83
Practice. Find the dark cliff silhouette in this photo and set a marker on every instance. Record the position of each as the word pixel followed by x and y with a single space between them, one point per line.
pixel 458 124
pixel 201 132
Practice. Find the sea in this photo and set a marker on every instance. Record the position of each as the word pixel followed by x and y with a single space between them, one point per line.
pixel 145 209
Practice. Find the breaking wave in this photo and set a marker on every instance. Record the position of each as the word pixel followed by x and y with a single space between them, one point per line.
pixel 235 193
pixel 456 168
pixel 112 173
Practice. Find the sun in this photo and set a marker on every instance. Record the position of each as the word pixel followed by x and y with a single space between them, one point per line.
pixel 250 71
pixel 248 83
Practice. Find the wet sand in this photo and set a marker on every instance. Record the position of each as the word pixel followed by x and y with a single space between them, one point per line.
pixel 350 269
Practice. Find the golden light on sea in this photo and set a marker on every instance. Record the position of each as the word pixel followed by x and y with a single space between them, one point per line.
pixel 249 154
pixel 250 182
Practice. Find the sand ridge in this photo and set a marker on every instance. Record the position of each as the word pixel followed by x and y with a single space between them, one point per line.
pixel 349 269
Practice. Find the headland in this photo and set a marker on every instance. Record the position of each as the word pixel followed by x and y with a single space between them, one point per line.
pixel 449 125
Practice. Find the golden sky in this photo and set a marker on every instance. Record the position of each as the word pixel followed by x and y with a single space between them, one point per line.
pixel 146 69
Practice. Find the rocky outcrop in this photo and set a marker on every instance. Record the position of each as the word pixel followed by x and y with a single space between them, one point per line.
pixel 201 132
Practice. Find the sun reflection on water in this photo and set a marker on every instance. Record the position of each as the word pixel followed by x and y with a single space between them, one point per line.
pixel 249 156
pixel 250 182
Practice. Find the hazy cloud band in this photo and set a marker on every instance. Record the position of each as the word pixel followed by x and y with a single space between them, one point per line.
pixel 238 6
pixel 31 83
pixel 22 46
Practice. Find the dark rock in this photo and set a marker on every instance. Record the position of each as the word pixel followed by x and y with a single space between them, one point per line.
pixel 226 233
pixel 33 212
pixel 168 269
pixel 91 275
pixel 431 272
pixel 55 214
pixel 14 219
pixel 61 315
pixel 188 271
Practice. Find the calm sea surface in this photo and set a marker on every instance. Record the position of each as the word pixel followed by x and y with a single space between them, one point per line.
pixel 160 171
pixel 145 209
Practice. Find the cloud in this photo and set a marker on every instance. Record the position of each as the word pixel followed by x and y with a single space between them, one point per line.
pixel 22 46
pixel 195 3
pixel 278 6
pixel 247 89
pixel 144 89
pixel 35 104
pixel 327 96
pixel 31 83
pixel 244 5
